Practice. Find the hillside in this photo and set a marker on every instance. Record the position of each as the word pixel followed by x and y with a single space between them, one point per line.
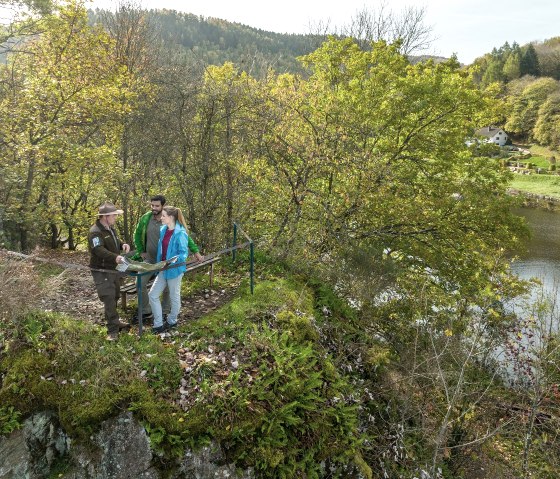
pixel 282 383
pixel 214 41
pixel 382 279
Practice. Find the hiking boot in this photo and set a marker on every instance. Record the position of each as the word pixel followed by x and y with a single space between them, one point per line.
pixel 158 330
pixel 170 326
pixel 123 325
pixel 145 317
pixel 112 336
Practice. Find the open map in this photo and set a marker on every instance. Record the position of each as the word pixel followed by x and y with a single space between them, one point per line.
pixel 141 267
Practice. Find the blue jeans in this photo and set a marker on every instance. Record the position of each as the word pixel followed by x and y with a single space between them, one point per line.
pixel 146 308
pixel 159 285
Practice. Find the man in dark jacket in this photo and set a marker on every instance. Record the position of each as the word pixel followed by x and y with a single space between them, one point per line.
pixel 105 249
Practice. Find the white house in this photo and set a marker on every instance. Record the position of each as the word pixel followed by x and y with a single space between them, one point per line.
pixel 493 135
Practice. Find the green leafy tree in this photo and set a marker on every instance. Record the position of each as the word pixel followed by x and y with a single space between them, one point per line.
pixel 524 107
pixel 369 151
pixel 210 123
pixel 512 66
pixel 135 48
pixel 363 174
pixel 548 53
pixel 547 126
pixel 494 73
pixel 58 126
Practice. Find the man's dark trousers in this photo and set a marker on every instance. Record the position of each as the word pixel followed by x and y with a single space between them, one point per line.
pixel 108 287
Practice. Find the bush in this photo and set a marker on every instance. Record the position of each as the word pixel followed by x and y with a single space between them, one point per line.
pixel 20 279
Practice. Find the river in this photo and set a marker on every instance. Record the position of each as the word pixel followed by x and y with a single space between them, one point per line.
pixel 542 258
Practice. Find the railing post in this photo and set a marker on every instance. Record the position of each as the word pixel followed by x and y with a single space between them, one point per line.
pixel 233 253
pixel 252 268
pixel 139 311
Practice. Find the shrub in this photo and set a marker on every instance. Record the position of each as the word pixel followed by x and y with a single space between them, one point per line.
pixel 19 278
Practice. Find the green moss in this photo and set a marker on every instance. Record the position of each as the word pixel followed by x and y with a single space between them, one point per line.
pixel 65 365
pixel 300 326
pixel 282 410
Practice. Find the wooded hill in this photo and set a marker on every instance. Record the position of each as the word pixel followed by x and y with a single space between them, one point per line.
pixel 214 41
pixel 510 62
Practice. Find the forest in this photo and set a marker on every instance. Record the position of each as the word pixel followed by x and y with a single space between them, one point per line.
pixel 387 238
pixel 527 78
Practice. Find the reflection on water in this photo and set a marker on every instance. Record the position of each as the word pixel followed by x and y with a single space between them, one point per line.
pixel 540 261
pixel 542 258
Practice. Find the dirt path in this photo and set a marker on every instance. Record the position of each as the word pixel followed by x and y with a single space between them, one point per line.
pixel 71 290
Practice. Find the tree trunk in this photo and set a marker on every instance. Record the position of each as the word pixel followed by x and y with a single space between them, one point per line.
pixel 23 233
pixel 54 236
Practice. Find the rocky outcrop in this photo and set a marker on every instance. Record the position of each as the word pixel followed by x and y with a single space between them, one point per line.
pixel 31 452
pixel 120 450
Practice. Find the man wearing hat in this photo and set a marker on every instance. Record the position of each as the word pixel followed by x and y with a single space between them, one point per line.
pixel 105 248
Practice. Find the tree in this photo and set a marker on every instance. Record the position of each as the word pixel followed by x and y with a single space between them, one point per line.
pixel 64 95
pixel 512 66
pixel 362 172
pixel 494 67
pixel 531 356
pixel 204 112
pixel 524 107
pixel 406 27
pixel 548 53
pixel 136 46
pixel 494 73
pixel 547 126
pixel 351 153
pixel 25 22
pixel 529 61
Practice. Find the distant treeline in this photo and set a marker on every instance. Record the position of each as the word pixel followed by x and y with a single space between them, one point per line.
pixel 510 62
pixel 214 41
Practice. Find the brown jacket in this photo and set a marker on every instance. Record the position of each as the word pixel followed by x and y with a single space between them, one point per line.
pixel 102 247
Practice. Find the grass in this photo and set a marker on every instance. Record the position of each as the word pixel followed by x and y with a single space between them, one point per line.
pixel 539 155
pixel 47 271
pixel 539 161
pixel 548 185
pixel 543 151
pixel 543 184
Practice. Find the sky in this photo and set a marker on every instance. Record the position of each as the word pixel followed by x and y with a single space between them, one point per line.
pixel 467 28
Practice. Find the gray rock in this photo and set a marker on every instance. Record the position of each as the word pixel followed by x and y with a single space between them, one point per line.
pixel 121 451
pixel 30 453
pixel 14 457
